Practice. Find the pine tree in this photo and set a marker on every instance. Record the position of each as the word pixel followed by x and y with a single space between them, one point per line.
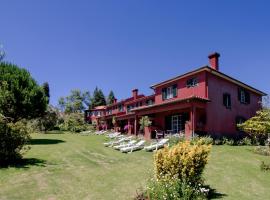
pixel 98 98
pixel 110 98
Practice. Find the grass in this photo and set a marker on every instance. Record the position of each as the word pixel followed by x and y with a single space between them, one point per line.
pixel 70 166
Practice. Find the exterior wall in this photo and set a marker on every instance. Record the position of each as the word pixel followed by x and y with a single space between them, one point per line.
pixel 221 120
pixel 182 90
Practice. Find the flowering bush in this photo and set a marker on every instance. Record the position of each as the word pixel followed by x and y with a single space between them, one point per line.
pixel 184 161
pixel 174 189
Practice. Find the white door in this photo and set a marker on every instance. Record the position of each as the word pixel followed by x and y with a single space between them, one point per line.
pixel 176 123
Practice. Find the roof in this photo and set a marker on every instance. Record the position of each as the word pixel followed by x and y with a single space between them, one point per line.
pixel 202 99
pixel 214 72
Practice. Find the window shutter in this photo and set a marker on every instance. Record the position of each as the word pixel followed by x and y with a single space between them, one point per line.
pixel 224 99
pixel 164 93
pixel 175 90
pixel 230 103
pixel 239 94
pixel 247 97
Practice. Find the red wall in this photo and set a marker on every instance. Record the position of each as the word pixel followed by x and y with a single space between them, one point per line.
pixel 183 90
pixel 219 119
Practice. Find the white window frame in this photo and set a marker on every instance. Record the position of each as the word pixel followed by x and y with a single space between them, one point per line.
pixel 169 92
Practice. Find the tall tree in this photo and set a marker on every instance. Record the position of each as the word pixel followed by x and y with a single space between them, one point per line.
pixel 20 95
pixel 98 98
pixel 76 102
pixel 110 98
pixel 46 89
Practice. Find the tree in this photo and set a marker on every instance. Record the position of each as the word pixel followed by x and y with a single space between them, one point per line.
pixel 20 95
pixel 46 89
pixel 21 98
pixel 110 98
pixel 258 126
pixel 76 102
pixel 98 98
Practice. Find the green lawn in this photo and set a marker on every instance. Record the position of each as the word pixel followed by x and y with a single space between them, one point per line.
pixel 69 166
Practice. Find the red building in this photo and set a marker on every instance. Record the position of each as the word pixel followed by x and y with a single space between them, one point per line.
pixel 203 101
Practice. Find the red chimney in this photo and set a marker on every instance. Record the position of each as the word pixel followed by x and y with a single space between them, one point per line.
pixel 213 60
pixel 135 93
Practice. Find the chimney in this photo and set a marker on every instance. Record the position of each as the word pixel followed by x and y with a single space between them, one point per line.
pixel 115 100
pixel 213 60
pixel 135 93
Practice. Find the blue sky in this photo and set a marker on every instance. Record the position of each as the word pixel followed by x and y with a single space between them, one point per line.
pixel 126 44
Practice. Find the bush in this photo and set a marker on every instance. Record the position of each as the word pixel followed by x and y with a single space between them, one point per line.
pixel 74 122
pixel 13 137
pixel 245 141
pixel 184 160
pixel 174 189
pixel 227 141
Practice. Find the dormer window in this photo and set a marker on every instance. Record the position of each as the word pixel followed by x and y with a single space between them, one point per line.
pixel 192 82
pixel 169 92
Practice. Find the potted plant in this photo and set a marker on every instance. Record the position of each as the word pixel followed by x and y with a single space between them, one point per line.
pixel 145 124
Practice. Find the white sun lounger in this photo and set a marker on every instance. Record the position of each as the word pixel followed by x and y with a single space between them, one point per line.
pixel 116 142
pixel 130 143
pixel 138 146
pixel 157 145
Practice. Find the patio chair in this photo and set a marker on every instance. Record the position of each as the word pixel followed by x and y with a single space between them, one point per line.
pixel 120 146
pixel 156 146
pixel 138 146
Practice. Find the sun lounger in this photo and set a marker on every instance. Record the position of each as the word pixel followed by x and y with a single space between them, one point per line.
pixel 130 143
pixel 138 146
pixel 157 145
pixel 117 142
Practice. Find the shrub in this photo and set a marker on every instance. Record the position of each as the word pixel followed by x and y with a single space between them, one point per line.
pixel 13 137
pixel 144 122
pixel 174 189
pixel 74 122
pixel 245 141
pixel 264 166
pixel 218 142
pixel 184 160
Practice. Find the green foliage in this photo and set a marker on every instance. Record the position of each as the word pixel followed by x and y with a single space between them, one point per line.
pixel 245 141
pixel 74 122
pixel 20 96
pixel 2 53
pixel 207 140
pixel 114 120
pixel 98 98
pixel 258 126
pixel 13 137
pixel 76 102
pixel 46 89
pixel 48 122
pixel 110 98
pixel 184 161
pixel 174 189
pixel 144 122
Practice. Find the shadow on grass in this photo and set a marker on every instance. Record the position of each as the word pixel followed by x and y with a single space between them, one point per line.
pixel 24 163
pixel 45 141
pixel 214 194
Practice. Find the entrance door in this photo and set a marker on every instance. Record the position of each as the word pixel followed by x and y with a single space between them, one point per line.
pixel 176 123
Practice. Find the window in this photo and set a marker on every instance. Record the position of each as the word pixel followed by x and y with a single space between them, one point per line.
pixel 227 100
pixel 120 108
pixel 243 96
pixel 169 92
pixel 149 102
pixel 129 107
pixel 192 82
